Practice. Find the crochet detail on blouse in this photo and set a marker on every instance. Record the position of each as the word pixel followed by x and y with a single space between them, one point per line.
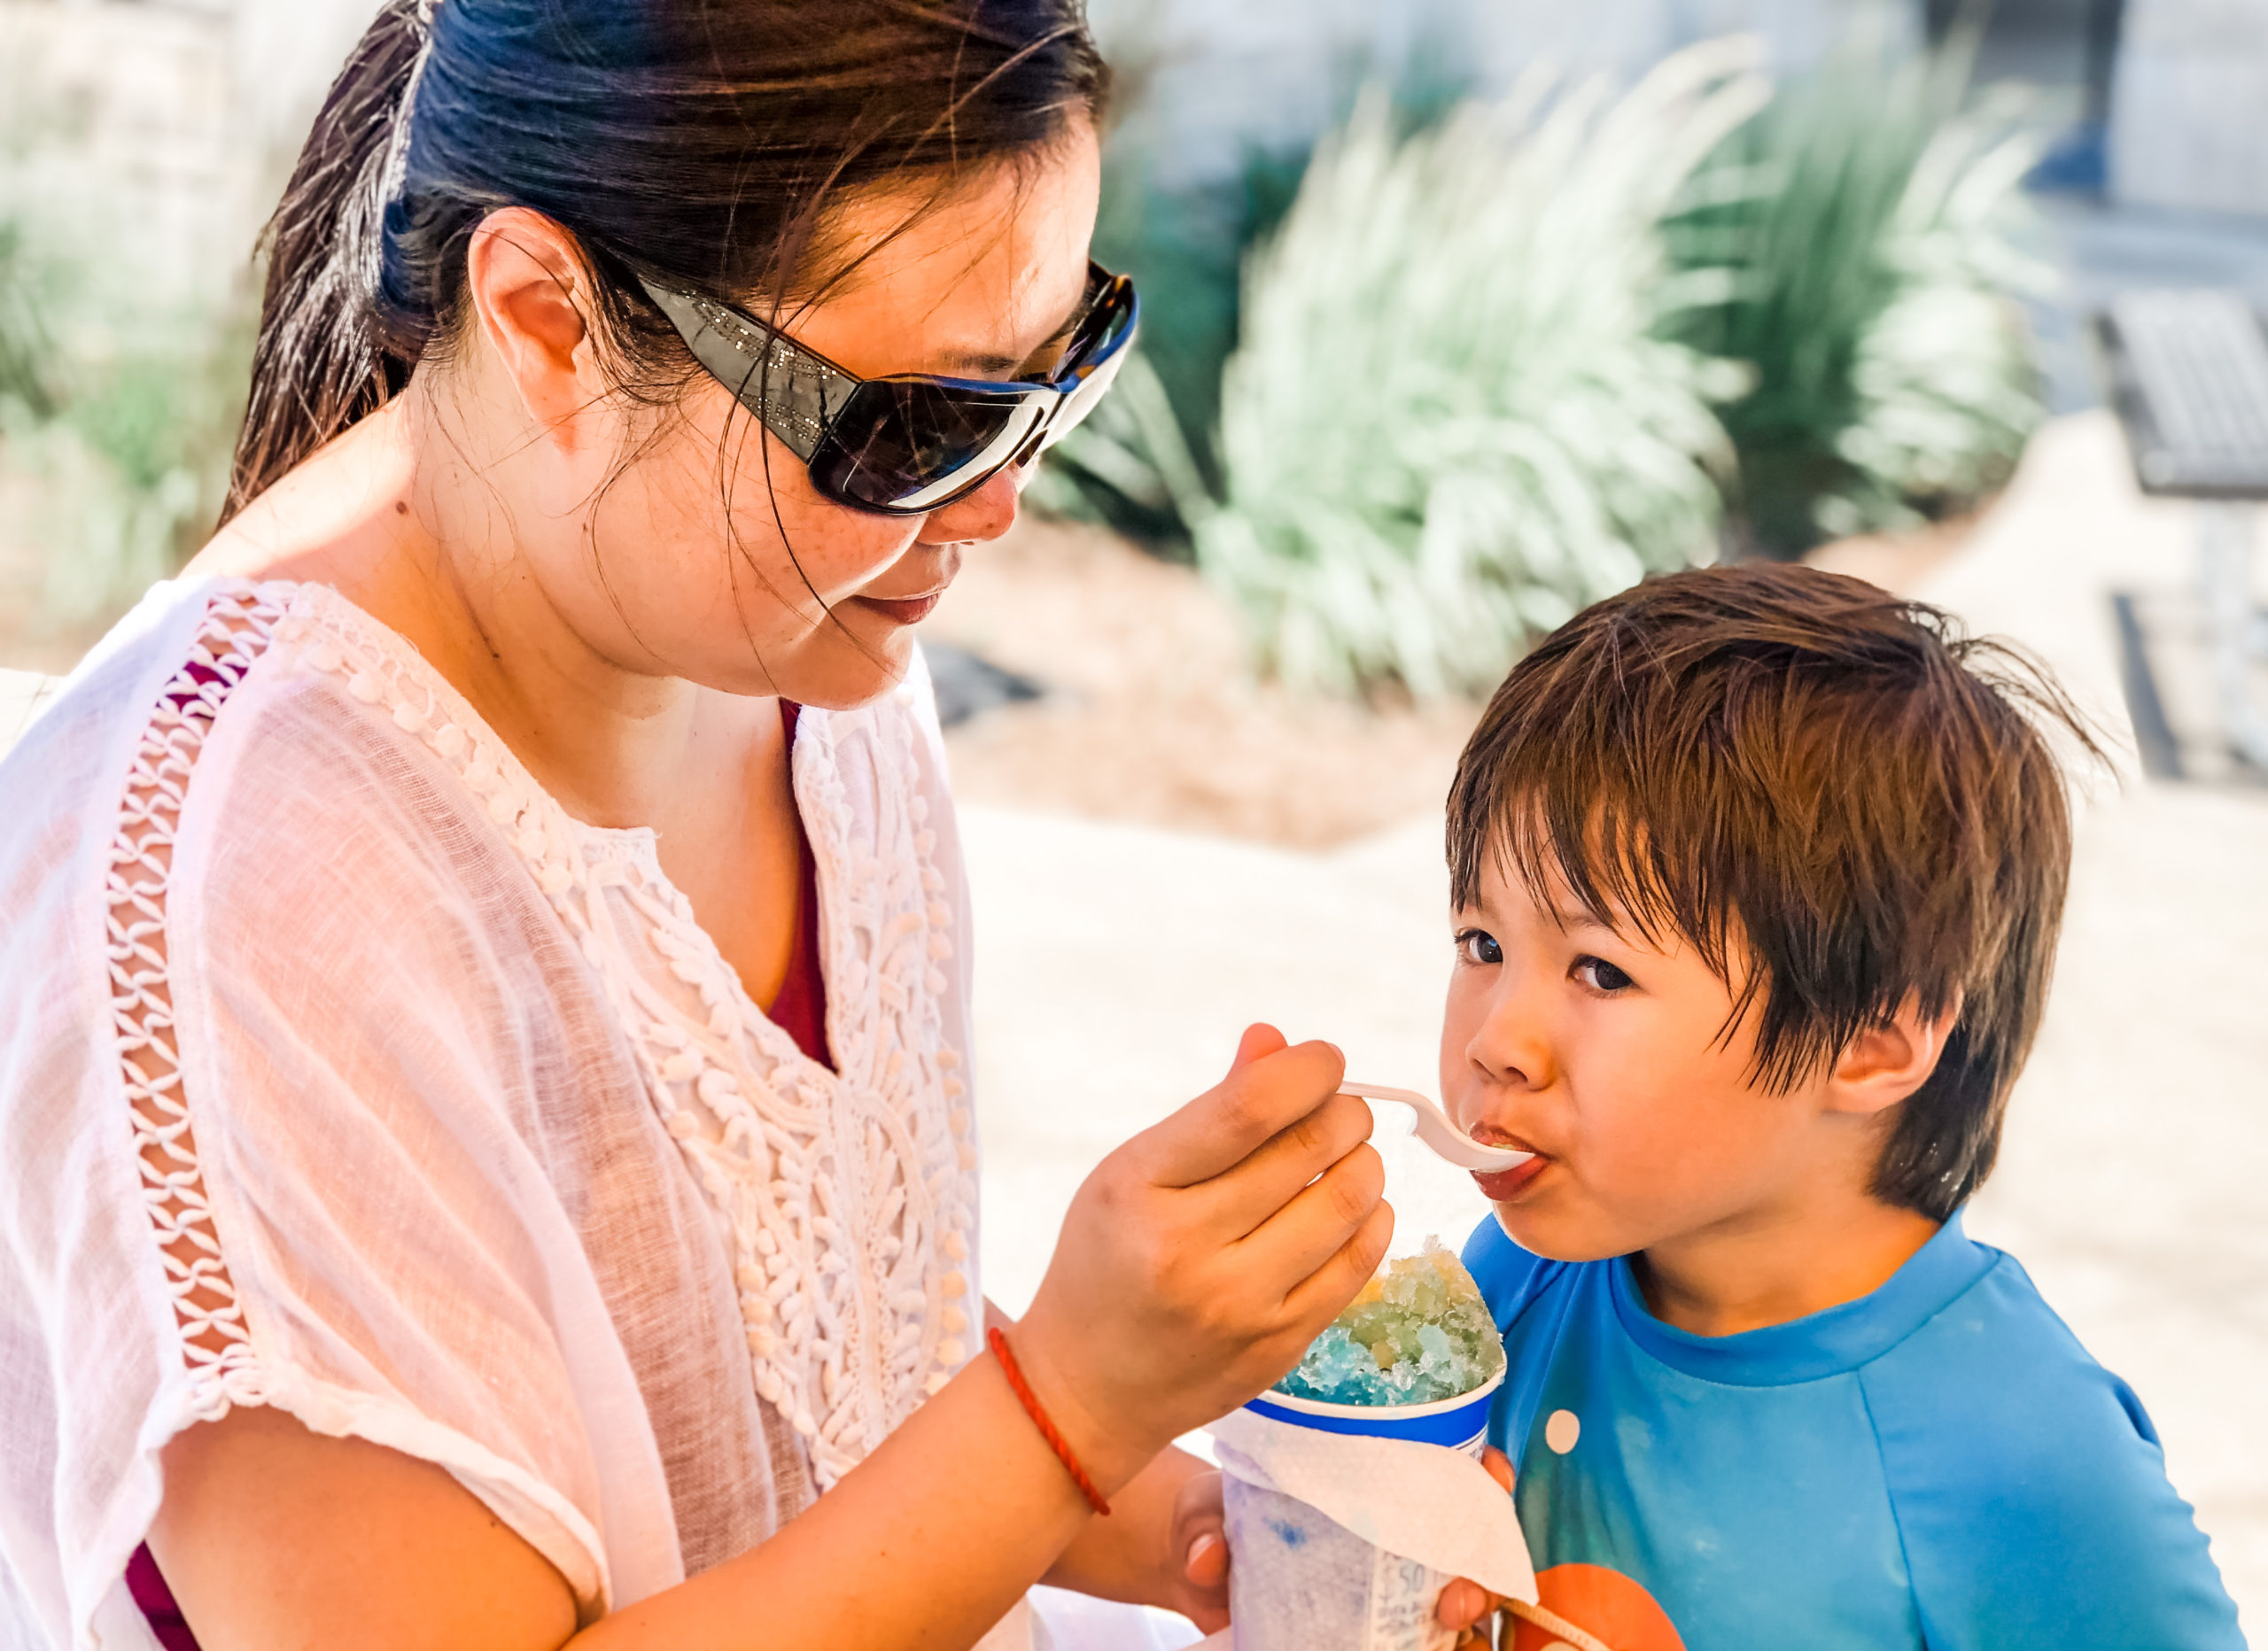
pixel 848 1199
pixel 221 1367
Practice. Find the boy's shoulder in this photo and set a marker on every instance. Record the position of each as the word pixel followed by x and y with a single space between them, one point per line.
pixel 1996 1368
pixel 2025 1482
pixel 2028 1481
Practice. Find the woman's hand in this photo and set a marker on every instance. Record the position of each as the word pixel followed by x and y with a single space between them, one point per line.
pixel 1141 1553
pixel 1198 1543
pixel 1198 1260
pixel 1196 1265
pixel 1200 1537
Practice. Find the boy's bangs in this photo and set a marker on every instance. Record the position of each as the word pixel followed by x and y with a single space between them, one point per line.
pixel 1836 800
pixel 1633 862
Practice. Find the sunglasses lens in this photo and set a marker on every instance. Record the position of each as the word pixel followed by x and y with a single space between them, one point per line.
pixel 905 446
pixel 1108 323
pixel 1082 401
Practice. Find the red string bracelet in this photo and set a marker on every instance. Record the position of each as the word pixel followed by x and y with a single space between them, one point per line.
pixel 999 1344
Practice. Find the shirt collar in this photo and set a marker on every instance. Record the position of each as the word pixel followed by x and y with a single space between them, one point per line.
pixel 1823 1344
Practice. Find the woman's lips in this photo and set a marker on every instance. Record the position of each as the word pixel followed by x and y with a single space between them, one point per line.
pixel 903 609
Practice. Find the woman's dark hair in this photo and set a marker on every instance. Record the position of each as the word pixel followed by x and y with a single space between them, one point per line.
pixel 1837 798
pixel 702 140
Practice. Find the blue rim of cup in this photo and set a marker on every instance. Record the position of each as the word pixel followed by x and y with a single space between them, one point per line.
pixel 1460 1423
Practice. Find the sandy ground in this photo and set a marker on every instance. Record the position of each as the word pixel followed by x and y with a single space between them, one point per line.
pixel 34 635
pixel 1150 715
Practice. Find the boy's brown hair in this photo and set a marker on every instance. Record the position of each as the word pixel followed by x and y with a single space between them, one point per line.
pixel 1837 797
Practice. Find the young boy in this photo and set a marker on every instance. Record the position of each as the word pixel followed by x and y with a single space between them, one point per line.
pixel 1758 873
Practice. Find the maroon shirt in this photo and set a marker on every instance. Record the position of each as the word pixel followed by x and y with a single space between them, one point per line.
pixel 800 1010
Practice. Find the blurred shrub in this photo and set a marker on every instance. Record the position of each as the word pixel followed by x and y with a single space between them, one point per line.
pixel 1474 368
pixel 117 416
pixel 1185 238
pixel 1184 246
pixel 1451 419
pixel 1865 230
pixel 24 345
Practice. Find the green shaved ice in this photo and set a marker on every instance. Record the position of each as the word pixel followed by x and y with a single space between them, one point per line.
pixel 1418 1332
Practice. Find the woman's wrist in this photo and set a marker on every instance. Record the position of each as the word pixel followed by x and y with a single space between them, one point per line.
pixel 1111 1448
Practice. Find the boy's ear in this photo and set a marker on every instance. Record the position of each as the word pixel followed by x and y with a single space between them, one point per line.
pixel 1889 1060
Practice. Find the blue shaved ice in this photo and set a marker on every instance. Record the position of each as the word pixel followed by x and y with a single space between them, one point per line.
pixel 1417 1333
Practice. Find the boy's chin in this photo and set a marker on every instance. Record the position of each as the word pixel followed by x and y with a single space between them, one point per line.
pixel 1561 1239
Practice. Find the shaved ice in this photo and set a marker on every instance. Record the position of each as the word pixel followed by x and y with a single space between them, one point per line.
pixel 1417 1333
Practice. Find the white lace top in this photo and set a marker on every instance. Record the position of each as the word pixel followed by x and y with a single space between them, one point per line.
pixel 342 1071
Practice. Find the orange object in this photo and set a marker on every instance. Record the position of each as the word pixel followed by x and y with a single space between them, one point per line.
pixel 1606 1604
pixel 999 1344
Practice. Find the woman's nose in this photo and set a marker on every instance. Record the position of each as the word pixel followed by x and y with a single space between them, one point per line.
pixel 987 513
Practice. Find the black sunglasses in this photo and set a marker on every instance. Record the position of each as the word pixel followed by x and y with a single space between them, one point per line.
pixel 914 442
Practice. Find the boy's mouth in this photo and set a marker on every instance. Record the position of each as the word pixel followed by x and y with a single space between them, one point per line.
pixel 1501 1186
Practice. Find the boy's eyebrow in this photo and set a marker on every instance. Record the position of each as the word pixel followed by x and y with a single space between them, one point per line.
pixel 1580 917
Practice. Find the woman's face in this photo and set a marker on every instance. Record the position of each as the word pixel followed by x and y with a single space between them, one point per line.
pixel 711 557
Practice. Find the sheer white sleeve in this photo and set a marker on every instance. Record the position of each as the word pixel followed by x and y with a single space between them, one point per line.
pixel 342 1072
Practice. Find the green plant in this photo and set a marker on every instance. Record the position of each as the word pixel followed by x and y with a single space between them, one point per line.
pixel 1184 245
pixel 25 346
pixel 1183 238
pixel 118 412
pixel 1861 236
pixel 132 466
pixel 1452 419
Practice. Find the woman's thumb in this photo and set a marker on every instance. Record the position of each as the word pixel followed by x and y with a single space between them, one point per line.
pixel 1499 1466
pixel 1259 1041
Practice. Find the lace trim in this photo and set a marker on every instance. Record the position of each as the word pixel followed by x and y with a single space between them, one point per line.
pixel 222 1366
pixel 849 1198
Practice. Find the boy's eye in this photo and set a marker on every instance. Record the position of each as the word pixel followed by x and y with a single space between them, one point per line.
pixel 1479 947
pixel 1600 975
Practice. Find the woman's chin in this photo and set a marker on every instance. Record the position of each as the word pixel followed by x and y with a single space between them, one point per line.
pixel 840 674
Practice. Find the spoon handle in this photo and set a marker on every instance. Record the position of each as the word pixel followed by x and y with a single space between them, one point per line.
pixel 1448 1142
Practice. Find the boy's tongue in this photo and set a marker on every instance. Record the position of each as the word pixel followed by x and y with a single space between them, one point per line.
pixel 1500 1185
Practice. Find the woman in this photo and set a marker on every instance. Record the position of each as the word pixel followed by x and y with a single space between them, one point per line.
pixel 483 1076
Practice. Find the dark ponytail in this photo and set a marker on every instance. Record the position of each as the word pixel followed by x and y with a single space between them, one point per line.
pixel 702 140
pixel 317 365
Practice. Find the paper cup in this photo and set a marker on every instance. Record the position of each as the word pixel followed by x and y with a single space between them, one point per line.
pixel 1299 1580
pixel 1459 1423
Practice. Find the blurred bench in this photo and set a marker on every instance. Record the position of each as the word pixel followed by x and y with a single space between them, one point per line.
pixel 23 695
pixel 2188 374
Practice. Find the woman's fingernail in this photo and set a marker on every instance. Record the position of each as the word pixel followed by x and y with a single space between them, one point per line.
pixel 1197 1548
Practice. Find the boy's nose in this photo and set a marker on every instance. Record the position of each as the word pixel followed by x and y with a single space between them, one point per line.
pixel 1511 1049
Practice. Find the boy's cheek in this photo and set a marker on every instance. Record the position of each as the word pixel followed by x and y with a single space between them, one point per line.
pixel 1460 1019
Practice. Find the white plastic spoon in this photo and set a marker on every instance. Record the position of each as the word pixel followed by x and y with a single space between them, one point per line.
pixel 1434 1128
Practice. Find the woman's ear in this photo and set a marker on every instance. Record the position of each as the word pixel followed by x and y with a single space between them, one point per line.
pixel 531 292
pixel 1889 1060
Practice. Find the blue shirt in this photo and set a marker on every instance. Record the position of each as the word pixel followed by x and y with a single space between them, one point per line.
pixel 1938 1463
